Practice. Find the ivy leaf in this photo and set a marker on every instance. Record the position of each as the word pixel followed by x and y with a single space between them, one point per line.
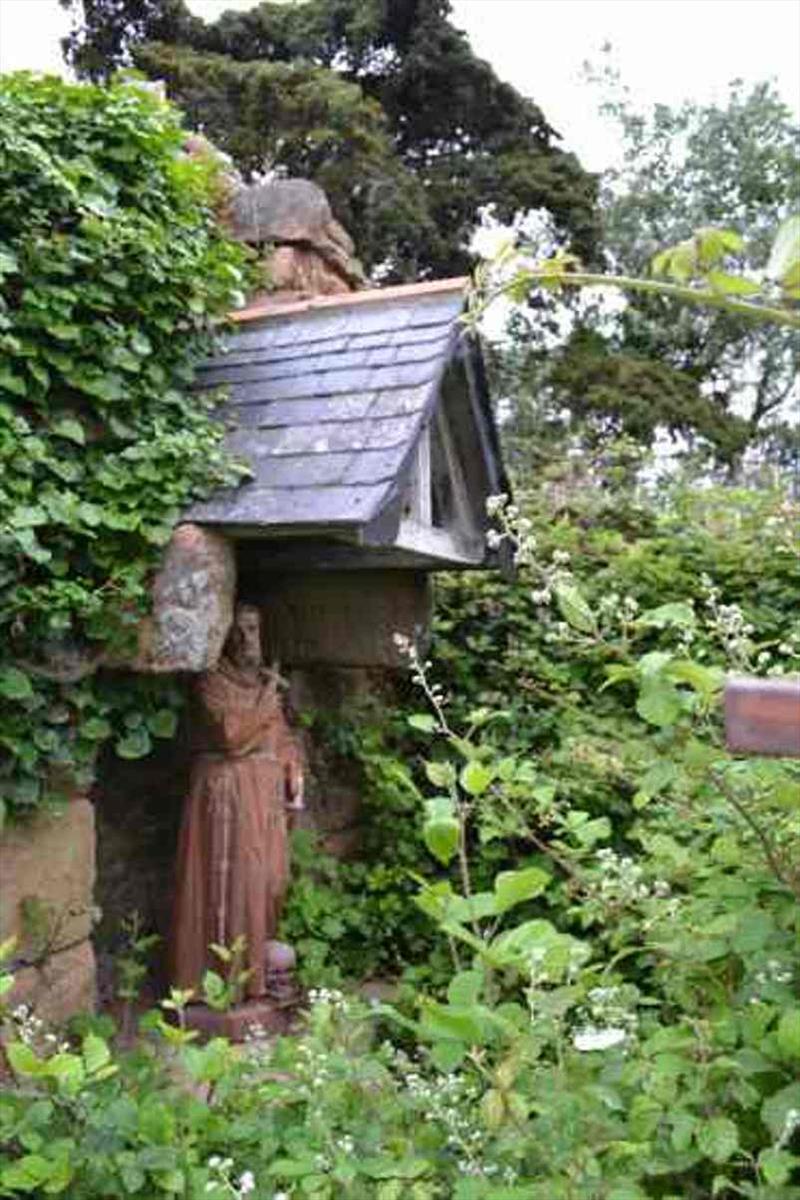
pixel 64 332
pixel 15 684
pixel 96 729
pixel 163 723
pixel 70 428
pixel 13 383
pixel 135 744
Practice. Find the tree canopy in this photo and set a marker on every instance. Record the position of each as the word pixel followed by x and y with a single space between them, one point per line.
pixel 702 374
pixel 384 104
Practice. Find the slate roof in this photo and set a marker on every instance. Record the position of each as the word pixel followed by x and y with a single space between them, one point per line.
pixel 327 400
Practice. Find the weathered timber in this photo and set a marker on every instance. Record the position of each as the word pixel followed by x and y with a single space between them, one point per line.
pixel 762 716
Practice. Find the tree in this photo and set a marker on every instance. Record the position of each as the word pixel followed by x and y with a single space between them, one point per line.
pixel 700 373
pixel 455 136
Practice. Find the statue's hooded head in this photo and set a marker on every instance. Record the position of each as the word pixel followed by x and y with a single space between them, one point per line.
pixel 243 647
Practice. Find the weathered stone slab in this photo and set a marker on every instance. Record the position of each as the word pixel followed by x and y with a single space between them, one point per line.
pixel 47 871
pixel 193 600
pixel 344 618
pixel 62 987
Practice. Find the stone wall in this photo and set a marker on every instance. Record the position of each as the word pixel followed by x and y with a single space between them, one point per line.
pixel 47 873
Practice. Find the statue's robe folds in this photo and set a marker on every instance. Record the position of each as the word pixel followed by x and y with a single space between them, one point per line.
pixel 232 866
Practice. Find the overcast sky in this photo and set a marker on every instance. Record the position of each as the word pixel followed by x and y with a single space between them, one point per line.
pixel 667 50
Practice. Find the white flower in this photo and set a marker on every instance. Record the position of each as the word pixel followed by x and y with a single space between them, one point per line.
pixel 247 1183
pixel 598 1039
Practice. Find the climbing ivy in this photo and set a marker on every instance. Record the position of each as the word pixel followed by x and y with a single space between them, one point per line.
pixel 113 277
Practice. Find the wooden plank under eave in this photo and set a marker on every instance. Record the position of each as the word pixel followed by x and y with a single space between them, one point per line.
pixel 762 716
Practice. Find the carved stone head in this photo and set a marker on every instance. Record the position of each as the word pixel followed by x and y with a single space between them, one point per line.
pixel 244 640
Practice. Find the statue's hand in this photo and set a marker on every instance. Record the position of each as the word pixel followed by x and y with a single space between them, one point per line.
pixel 296 787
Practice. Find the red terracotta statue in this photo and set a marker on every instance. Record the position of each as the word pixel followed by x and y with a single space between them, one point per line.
pixel 232 866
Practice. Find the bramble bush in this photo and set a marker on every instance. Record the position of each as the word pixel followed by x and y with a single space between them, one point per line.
pixel 113 276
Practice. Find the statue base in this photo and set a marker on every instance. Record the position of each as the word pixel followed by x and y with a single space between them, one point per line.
pixel 236 1023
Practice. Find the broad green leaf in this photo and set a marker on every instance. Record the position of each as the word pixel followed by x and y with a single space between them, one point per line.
pixel 573 607
pixel 707 681
pixel 678 614
pixel 731 285
pixel 465 909
pixel 23 1061
pixel 459 1022
pixel 717 1139
pixel 659 702
pixel 476 778
pixel 512 887
pixel 15 684
pixel 292 1168
pixel 423 721
pixel 447 1056
pixel 96 1053
pixel 777 1108
pixel 27 1174
pixel 441 838
pixel 777 1166
pixel 465 987
pixel 440 774
pixel 788 1034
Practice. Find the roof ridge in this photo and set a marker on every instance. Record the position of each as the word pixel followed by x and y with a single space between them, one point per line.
pixel 267 307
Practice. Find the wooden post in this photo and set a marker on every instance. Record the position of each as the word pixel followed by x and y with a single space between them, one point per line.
pixel 762 716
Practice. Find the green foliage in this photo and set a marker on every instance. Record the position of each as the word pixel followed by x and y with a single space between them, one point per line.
pixel 603 976
pixel 113 276
pixel 713 184
pixel 385 105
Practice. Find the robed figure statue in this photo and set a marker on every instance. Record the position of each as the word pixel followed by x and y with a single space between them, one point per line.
pixel 246 772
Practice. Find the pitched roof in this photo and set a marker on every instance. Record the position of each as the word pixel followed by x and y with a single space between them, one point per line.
pixel 327 399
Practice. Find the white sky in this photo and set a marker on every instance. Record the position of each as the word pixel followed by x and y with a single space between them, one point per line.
pixel 667 50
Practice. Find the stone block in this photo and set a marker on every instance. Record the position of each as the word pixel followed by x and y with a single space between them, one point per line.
pixel 63 986
pixel 193 600
pixel 343 618
pixel 47 871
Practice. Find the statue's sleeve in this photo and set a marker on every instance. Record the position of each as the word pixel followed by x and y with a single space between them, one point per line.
pixel 233 724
